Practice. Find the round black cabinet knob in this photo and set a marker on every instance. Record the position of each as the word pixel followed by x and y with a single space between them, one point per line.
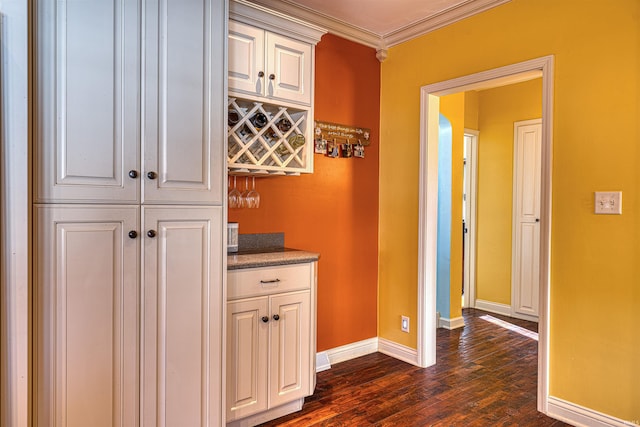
pixel 133 234
pixel 272 76
pixel 152 175
pixel 265 319
pixel 276 317
pixel 133 174
pixel 151 233
pixel 261 74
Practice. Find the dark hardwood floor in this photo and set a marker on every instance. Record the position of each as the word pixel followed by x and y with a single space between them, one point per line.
pixel 485 375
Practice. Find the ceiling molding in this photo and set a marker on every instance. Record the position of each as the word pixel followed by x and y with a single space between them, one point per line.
pixel 439 20
pixel 381 41
pixel 333 25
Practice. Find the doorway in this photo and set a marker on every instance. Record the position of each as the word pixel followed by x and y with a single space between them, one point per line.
pixel 470 174
pixel 428 202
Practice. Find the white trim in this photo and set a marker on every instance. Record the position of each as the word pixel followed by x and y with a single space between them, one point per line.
pixel 353 350
pixel 273 20
pixel 428 174
pixel 322 362
pixel 455 323
pixel 15 214
pixel 398 351
pixel 269 415
pixel 447 17
pixel 493 307
pixel 580 416
pixel 369 38
pixel 472 202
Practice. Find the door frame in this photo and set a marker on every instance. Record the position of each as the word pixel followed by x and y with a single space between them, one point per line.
pixel 428 202
pixel 469 265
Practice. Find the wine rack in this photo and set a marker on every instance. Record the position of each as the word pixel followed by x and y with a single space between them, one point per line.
pixel 265 138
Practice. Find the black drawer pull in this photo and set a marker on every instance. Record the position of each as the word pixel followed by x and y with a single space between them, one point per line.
pixel 270 281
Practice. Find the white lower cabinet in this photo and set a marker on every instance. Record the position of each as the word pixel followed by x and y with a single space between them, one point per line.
pixel 123 339
pixel 181 316
pixel 86 316
pixel 270 342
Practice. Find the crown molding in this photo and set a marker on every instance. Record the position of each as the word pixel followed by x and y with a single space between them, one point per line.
pixel 275 20
pixel 381 42
pixel 439 20
pixel 333 25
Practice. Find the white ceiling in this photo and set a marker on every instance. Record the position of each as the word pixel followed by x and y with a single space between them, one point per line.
pixel 380 23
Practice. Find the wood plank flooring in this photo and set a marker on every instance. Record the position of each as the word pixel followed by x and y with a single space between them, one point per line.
pixel 485 375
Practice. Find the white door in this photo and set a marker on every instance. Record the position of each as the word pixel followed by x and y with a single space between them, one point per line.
pixel 469 217
pixel 87 109
pixel 247 357
pixel 526 219
pixel 182 322
pixel 246 59
pixel 86 316
pixel 183 83
pixel 289 370
pixel 289 68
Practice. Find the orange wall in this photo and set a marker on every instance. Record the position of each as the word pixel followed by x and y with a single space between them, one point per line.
pixel 334 211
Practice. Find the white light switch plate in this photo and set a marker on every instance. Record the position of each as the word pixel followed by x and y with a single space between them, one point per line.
pixel 608 203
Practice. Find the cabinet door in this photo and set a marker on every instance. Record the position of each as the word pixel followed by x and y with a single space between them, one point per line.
pixel 87 89
pixel 86 316
pixel 247 357
pixel 182 320
pixel 290 347
pixel 289 69
pixel 184 87
pixel 246 59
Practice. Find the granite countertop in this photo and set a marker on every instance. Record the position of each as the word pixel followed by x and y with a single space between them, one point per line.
pixel 266 257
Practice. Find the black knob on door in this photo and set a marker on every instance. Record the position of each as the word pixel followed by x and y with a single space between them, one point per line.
pixel 261 74
pixel 151 233
pixel 133 174
pixel 133 234
pixel 152 175
pixel 265 319
pixel 276 317
pixel 272 76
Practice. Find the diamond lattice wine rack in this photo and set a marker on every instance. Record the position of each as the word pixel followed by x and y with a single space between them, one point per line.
pixel 266 138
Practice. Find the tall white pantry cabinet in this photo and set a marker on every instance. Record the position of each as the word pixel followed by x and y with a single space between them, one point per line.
pixel 129 174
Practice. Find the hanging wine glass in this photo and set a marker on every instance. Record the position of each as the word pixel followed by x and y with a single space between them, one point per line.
pixel 244 196
pixel 234 195
pixel 253 197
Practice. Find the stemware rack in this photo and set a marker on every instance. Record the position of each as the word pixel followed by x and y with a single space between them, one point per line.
pixel 268 139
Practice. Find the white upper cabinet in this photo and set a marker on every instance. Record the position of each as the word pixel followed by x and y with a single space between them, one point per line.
pixel 246 58
pixel 87 114
pixel 183 158
pixel 128 105
pixel 269 65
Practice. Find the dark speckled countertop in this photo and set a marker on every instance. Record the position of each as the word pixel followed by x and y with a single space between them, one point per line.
pixel 265 250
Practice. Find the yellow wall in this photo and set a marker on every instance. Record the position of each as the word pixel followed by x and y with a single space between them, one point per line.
pixel 498 109
pixel 595 273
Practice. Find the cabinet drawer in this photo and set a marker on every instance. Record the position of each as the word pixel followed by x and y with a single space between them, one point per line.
pixel 267 280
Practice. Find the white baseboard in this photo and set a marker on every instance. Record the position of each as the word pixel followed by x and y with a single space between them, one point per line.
pixel 493 307
pixel 351 351
pixel 398 351
pixel 580 416
pixel 457 322
pixel 322 361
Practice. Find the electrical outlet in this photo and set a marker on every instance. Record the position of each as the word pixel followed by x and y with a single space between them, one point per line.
pixel 608 203
pixel 405 324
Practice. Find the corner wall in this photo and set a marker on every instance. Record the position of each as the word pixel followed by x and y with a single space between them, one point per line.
pixel 596 147
pixel 334 211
